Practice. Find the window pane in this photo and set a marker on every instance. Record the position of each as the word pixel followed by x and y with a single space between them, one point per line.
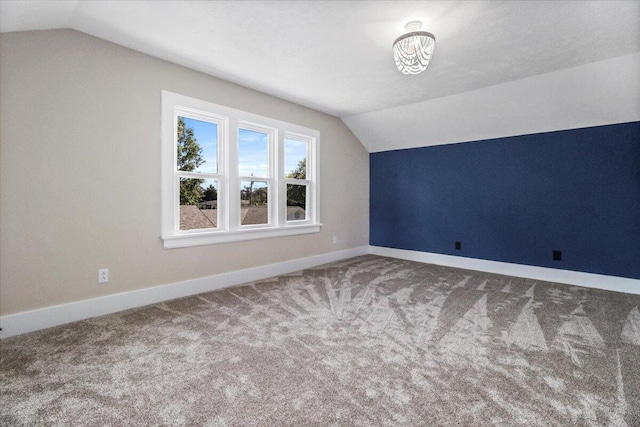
pixel 197 145
pixel 198 203
pixel 296 202
pixel 295 159
pixel 253 202
pixel 253 154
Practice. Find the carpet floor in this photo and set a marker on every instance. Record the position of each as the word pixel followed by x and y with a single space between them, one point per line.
pixel 370 341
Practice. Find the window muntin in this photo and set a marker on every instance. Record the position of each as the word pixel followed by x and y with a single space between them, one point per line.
pixel 239 150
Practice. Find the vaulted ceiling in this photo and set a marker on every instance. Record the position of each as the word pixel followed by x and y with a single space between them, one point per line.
pixel 336 56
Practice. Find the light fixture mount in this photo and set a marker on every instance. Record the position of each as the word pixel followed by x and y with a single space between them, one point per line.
pixel 413 51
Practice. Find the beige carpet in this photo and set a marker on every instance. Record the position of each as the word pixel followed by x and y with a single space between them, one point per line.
pixel 370 341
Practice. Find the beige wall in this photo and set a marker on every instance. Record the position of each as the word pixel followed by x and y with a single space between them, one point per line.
pixel 80 183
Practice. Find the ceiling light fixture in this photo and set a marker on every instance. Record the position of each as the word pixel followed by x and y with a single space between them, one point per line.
pixel 413 50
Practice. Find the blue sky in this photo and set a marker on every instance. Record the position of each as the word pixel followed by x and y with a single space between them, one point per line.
pixel 252 149
pixel 294 152
pixel 253 157
pixel 207 136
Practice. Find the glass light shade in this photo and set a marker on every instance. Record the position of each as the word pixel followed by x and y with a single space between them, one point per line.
pixel 413 50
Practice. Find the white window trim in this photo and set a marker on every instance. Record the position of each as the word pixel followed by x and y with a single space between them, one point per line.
pixel 310 174
pixel 272 150
pixel 229 227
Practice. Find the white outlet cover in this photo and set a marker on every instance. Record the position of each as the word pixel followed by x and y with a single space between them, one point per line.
pixel 103 275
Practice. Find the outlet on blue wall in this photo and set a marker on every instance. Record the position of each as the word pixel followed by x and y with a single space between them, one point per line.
pixel 517 199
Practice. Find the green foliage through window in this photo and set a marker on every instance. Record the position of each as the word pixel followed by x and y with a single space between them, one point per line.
pixel 189 158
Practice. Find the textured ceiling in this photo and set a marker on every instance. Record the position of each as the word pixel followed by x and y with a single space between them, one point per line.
pixel 336 56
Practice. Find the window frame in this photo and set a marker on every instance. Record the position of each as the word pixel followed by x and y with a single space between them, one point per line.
pixel 272 138
pixel 307 182
pixel 222 129
pixel 229 227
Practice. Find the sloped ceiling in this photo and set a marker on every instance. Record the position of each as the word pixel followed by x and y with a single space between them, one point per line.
pixel 336 57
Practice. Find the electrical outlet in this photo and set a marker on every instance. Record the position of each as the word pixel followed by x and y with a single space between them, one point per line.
pixel 335 240
pixel 103 275
pixel 458 245
pixel 557 255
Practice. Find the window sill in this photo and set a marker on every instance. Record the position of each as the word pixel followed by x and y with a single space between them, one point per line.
pixel 215 237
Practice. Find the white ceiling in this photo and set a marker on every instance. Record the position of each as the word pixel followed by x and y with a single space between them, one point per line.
pixel 336 56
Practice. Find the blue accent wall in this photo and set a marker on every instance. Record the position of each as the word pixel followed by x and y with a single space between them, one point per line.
pixel 517 199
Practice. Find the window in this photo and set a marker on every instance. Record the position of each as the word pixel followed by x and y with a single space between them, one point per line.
pixel 229 175
pixel 296 153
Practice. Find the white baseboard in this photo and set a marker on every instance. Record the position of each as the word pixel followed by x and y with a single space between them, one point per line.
pixel 29 321
pixel 588 280
pixel 34 320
